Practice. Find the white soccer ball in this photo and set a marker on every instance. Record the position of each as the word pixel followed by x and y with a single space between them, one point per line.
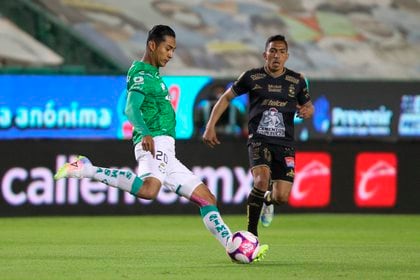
pixel 243 247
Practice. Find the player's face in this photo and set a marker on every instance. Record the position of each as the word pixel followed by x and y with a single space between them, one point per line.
pixel 275 56
pixel 165 51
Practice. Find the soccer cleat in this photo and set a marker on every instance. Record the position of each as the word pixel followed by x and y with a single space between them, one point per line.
pixel 73 169
pixel 261 253
pixel 267 214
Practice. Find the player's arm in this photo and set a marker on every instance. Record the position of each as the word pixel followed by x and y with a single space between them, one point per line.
pixel 209 136
pixel 133 113
pixel 305 108
pixel 132 110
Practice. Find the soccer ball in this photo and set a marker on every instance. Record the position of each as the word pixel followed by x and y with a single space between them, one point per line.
pixel 242 247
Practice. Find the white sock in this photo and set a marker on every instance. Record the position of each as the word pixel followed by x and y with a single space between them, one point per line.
pixel 215 224
pixel 267 196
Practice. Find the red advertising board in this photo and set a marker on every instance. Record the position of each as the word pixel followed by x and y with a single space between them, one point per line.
pixel 375 179
pixel 312 185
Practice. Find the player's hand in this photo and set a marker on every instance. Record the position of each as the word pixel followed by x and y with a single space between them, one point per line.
pixel 148 144
pixel 210 137
pixel 305 111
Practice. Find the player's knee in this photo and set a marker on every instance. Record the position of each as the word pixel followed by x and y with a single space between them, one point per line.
pixel 149 195
pixel 210 198
pixel 149 190
pixel 202 196
pixel 261 184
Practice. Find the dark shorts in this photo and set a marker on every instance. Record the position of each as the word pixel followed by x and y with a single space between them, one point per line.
pixel 280 159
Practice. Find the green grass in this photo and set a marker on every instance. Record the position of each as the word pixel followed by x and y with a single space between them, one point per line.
pixel 178 247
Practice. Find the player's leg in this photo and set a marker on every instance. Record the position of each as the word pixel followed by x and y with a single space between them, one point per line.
pixel 260 159
pixel 282 179
pixel 213 220
pixel 182 181
pixel 261 175
pixel 82 167
pixel 283 174
pixel 210 214
pixel 146 185
pixel 149 171
pixel 281 191
pixel 188 185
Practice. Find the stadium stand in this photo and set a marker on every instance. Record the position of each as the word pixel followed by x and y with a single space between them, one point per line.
pixel 370 39
pixel 20 49
pixel 76 55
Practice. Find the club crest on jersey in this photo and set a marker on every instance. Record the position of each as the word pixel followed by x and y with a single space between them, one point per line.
pixel 292 91
pixel 162 167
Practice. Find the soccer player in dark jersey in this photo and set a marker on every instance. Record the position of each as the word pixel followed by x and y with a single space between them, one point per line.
pixel 148 108
pixel 275 93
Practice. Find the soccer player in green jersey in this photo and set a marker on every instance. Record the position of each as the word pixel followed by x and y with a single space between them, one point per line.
pixel 149 110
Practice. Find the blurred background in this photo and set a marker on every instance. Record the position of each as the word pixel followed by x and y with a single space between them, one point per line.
pixel 62 92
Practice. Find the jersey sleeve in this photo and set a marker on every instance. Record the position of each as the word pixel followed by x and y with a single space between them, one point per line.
pixel 136 91
pixel 242 84
pixel 303 96
pixel 133 113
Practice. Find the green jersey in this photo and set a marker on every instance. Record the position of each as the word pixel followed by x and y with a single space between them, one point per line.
pixel 156 108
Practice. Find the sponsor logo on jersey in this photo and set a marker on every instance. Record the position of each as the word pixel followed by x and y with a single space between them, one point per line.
pixel 272 124
pixel 138 80
pixel 274 88
pixel 312 183
pixel 256 87
pixel 291 79
pixel 376 180
pixel 258 76
pixel 290 161
pixel 274 103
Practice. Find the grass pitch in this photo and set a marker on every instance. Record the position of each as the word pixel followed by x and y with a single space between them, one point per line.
pixel 178 247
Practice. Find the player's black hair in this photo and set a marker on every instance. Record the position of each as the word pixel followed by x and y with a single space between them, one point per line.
pixel 277 37
pixel 158 33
